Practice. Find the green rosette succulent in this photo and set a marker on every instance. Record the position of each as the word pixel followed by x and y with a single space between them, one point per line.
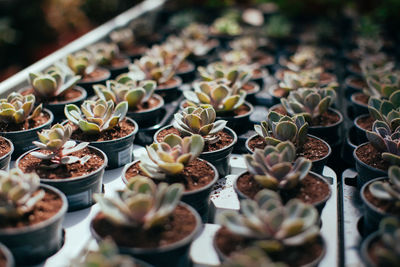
pixel 82 62
pixel 278 26
pixel 226 25
pixel 388 190
pixel 17 108
pixel 252 256
pixel 104 53
pixel 195 31
pixel 389 233
pixel 151 68
pixel 382 84
pixel 124 37
pixel 387 110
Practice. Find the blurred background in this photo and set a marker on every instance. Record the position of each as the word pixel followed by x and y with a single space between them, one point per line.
pixel 30 30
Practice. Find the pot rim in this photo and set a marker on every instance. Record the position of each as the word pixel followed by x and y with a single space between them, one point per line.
pixel 365 165
pixel 126 59
pixel 347 81
pixel 30 228
pixel 256 88
pixel 364 248
pixel 66 180
pixel 191 67
pixel 178 83
pixel 48 122
pixel 169 247
pixel 160 105
pixel 247 114
pixel 9 153
pixel 106 77
pixel 354 101
pixel 7 254
pixel 359 117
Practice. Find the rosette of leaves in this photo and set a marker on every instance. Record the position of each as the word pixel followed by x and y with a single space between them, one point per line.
pixel 279 128
pixel 272 225
pixel 252 256
pixel 369 40
pixel 95 117
pixel 235 57
pixel 170 157
pixel 199 120
pixel 382 85
pixel 310 102
pixel 275 167
pixel 151 68
pixel 386 141
pixel 141 204
pixel 220 96
pixel 104 53
pixel 53 81
pixel 295 80
pixel 17 108
pixel 388 190
pixel 305 57
pixel 172 52
pixel 376 65
pixel 19 193
pixel 124 37
pixel 195 31
pixel 226 25
pixel 125 89
pixel 82 62
pixel 278 26
pixel 56 141
pixel 246 43
pixel 389 253
pixel 387 110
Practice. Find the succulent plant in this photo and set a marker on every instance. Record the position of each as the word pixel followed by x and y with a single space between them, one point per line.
pixel 389 233
pixel 82 62
pixel 141 204
pixel 250 257
pixel 386 141
pixel 17 108
pixel 19 192
pixel 104 52
pixel 388 190
pixel 53 81
pixel 280 128
pixel 386 110
pixel 306 57
pixel 126 89
pixel 220 96
pixel 226 25
pixel 376 66
pixel 382 85
pixel 272 225
pixel 369 40
pixel 96 116
pixel 195 31
pixel 151 68
pixel 247 43
pixel 278 27
pixel 199 120
pixel 56 140
pixel 236 57
pixel 295 80
pixel 171 155
pixel 124 37
pixel 274 167
pixel 310 102
pixel 172 52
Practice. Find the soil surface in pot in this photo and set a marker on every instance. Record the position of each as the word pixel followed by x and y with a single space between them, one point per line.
pixel 313 149
pixel 309 190
pixel 197 174
pixel 171 83
pixel 4 147
pixel 179 225
pixel 357 82
pixel 372 157
pixel 67 96
pixel 149 104
pixel 122 129
pixel 225 139
pixel 44 209
pixel 3 260
pixel 361 98
pixel 97 75
pixel 228 242
pixel 385 206
pixel 30 164
pixel 248 87
pixel 365 122
pixel 257 74
pixel 263 59
pixel 242 110
pixel 118 62
pixel 326 119
pixel 184 67
pixel 280 92
pixel 326 78
pixel 355 68
pixel 26 125
pixel 135 49
pixel 375 245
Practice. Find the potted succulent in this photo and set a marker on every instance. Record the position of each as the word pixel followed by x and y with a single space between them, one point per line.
pixel 19 121
pixel 174 160
pixel 382 247
pixel 229 103
pixel 54 88
pixel 6 258
pixel 286 233
pixel 148 222
pixel 83 63
pixel 225 28
pixel 144 107
pixel 103 125
pixel 354 84
pixel 251 256
pixel 127 44
pixel 6 150
pixel 276 168
pixel 278 30
pixel 75 169
pixel 381 198
pixel 219 139
pixel 31 217
pixel 279 128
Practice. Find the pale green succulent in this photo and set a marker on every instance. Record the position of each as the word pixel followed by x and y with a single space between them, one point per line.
pixel 53 81
pixel 382 85
pixel 235 57
pixel 275 167
pixel 272 225
pixel 56 140
pixel 226 25
pixel 388 190
pixel 195 31
pixel 151 68
pixel 82 62
pixel 126 89
pixel 220 96
pixel 124 37
pixel 141 204
pixel 251 257
pixel 199 120
pixel 104 53
pixel 280 128
pixel 96 116
pixel 19 193
pixel 389 233
pixel 309 102
pixel 306 57
pixel 387 110
pixel 17 108
pixel 278 26
pixel 245 43
pixel 171 155
pixel 294 80
pixel 376 66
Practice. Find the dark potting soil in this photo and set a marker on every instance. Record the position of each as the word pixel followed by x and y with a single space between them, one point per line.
pixel 197 174
pixel 26 125
pixel 119 62
pixel 149 104
pixel 375 245
pixel 365 122
pixel 179 225
pixel 309 190
pixel 3 260
pixel 326 78
pixel 171 83
pixel 313 149
pixel 135 49
pixel 44 209
pixel 372 157
pixel 257 74
pixel 361 98
pixel 357 83
pixel 248 87
pixel 224 139
pixel 228 243
pixel 242 110
pixel 30 164
pixel 385 206
pixel 264 59
pixel 122 129
pixel 355 68
pixel 96 75
pixel 4 147
pixel 279 92
pixel 66 96
pixel 184 67
pixel 326 119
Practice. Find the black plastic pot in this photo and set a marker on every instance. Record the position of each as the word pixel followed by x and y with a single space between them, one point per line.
pixel 176 254
pixel 330 133
pixel 22 140
pixel 5 159
pixel 78 190
pixel 350 88
pixel 172 92
pixel 7 255
pixel 365 245
pixel 240 123
pixel 349 145
pixel 88 85
pixel 148 117
pixel 260 79
pixel 317 165
pixel 360 133
pixel 115 71
pixel 33 244
pixel 358 107
pixel 251 95
pixel 366 172
pixel 187 75
pixel 275 100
